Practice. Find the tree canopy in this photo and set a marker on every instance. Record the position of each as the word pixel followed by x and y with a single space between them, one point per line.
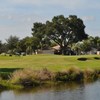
pixel 64 31
pixel 67 32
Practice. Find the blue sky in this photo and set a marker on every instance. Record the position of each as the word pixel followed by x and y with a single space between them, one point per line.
pixel 17 16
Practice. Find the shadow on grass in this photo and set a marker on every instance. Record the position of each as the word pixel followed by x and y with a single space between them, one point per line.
pixel 97 58
pixel 6 72
pixel 82 59
pixel 85 59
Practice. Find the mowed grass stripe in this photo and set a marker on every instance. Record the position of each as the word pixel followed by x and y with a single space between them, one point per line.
pixel 51 62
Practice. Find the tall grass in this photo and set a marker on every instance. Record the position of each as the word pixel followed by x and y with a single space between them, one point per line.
pixel 31 78
pixel 90 74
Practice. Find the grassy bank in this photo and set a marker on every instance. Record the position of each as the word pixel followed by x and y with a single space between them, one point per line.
pixel 36 70
pixel 26 78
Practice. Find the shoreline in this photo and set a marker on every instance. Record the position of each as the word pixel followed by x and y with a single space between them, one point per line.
pixel 28 78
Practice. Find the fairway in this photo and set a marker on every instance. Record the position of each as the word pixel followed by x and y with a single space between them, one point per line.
pixel 51 62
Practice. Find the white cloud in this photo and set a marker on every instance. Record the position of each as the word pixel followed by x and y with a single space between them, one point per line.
pixel 72 4
pixel 10 17
pixel 17 16
pixel 19 25
pixel 21 30
pixel 93 32
pixel 64 3
pixel 88 18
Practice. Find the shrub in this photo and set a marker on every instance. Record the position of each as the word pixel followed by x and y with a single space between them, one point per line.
pixel 72 74
pixel 43 75
pixel 30 77
pixel 90 74
pixel 75 74
pixel 24 77
pixel 61 76
pixel 5 75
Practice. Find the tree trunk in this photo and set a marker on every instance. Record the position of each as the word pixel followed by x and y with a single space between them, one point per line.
pixel 63 50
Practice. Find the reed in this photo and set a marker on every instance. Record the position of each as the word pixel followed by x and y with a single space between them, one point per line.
pixel 32 78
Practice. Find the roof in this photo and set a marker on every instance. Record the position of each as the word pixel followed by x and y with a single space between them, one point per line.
pixel 56 47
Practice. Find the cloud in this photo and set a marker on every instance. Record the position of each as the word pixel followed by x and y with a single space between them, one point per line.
pixel 21 30
pixel 93 32
pixel 19 25
pixel 88 18
pixel 72 4
pixel 17 16
pixel 63 3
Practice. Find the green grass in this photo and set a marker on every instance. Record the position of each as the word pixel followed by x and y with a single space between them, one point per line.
pixel 56 63
pixel 51 62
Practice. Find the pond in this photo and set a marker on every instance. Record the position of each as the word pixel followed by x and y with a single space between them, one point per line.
pixel 72 91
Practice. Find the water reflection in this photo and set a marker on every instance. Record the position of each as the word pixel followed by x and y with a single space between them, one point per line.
pixel 72 91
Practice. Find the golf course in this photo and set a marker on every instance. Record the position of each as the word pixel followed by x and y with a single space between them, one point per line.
pixel 35 70
pixel 51 62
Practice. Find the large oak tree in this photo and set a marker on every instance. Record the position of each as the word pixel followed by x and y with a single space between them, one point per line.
pixel 64 31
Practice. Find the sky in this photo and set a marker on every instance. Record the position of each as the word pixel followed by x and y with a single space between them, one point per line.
pixel 17 16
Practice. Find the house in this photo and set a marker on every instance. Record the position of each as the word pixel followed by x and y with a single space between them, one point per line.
pixel 67 51
pixel 49 51
pixel 98 52
pixel 45 51
pixel 56 49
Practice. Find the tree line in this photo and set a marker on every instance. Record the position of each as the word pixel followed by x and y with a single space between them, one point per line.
pixel 67 32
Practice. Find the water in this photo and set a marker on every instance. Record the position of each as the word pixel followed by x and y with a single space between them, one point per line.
pixel 70 91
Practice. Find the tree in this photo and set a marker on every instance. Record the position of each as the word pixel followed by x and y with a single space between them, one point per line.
pixel 3 47
pixel 92 43
pixel 96 42
pixel 29 44
pixel 12 42
pixel 65 31
pixel 0 47
pixel 38 32
pixel 86 46
pixel 78 47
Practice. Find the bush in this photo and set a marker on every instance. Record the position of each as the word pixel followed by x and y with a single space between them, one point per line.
pixel 43 75
pixel 75 74
pixel 5 75
pixel 61 76
pixel 31 78
pixel 72 74
pixel 90 74
pixel 23 77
